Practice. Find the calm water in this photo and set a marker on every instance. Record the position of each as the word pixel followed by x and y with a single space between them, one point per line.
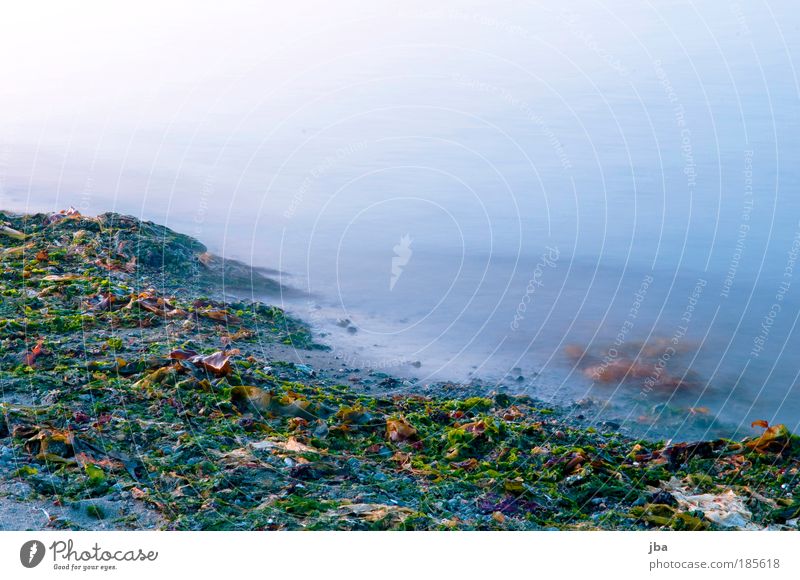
pixel 600 200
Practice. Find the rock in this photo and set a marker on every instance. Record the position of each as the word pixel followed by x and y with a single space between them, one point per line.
pixel 663 497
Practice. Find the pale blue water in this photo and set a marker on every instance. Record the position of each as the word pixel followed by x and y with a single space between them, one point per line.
pixel 639 140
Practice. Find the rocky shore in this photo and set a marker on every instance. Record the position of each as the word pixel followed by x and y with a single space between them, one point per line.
pixel 136 394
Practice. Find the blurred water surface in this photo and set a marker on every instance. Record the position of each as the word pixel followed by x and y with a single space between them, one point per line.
pixel 597 197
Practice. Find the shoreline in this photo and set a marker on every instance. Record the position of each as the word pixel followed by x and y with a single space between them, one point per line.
pixel 135 395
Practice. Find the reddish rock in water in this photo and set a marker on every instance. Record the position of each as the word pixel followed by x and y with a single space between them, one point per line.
pixel 574 352
pixel 618 370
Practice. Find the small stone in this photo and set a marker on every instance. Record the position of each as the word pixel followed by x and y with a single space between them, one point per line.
pixel 663 497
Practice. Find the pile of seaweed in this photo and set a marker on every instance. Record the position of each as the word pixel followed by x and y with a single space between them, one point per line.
pixel 128 378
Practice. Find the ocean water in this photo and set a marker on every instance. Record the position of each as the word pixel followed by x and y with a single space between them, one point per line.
pixel 592 202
